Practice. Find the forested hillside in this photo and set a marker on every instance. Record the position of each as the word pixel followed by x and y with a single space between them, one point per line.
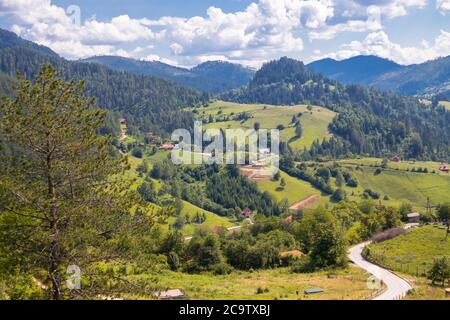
pixel 211 76
pixel 9 39
pixel 424 79
pixel 369 121
pixel 148 103
pixel 356 70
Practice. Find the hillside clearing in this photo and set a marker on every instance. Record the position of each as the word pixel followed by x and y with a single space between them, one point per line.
pixel 314 123
pixel 277 284
pixel 412 253
pixel 294 190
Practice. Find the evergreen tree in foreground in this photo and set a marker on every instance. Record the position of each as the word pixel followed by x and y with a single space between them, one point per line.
pixel 61 201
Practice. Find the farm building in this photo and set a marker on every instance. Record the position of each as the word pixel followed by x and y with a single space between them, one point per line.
pixel 444 168
pixel 173 294
pixel 167 146
pixel 414 217
pixel 396 159
pixel 123 121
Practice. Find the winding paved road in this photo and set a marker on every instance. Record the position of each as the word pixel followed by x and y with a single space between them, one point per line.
pixel 397 287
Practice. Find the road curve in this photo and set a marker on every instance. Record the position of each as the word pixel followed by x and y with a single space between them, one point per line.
pixel 397 288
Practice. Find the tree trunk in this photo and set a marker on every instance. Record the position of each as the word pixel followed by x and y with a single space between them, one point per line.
pixel 55 260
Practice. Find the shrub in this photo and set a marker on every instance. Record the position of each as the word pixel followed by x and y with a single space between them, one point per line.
pixel 221 269
pixel 338 195
pixel 137 153
pixel 352 183
pixel 303 265
pixel 440 271
pixel 388 234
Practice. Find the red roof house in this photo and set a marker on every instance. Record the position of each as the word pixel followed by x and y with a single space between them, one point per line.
pixel 247 213
pixel 167 146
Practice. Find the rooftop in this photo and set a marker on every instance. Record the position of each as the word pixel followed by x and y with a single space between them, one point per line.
pixel 413 215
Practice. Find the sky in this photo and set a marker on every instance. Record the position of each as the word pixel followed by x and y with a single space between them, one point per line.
pixel 189 32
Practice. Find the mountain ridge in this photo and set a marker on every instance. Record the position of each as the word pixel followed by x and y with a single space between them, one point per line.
pixel 423 79
pixel 210 76
pixel 149 103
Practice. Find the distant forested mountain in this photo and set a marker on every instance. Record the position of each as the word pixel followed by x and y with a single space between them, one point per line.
pixel 212 76
pixel 426 79
pixel 356 70
pixel 148 103
pixel 9 39
pixel 369 121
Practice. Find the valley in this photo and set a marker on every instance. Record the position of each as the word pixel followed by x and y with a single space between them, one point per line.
pixel 87 180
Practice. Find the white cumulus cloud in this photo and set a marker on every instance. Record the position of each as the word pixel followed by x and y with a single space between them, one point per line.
pixel 379 44
pixel 263 30
pixel 443 6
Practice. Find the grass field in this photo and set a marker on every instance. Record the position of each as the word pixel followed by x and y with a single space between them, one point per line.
pixel 212 220
pixel 276 284
pixel 314 123
pixel 412 253
pixel 399 184
pixel 295 189
pixel 402 165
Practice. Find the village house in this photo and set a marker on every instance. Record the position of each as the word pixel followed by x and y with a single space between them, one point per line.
pixel 247 213
pixel 414 217
pixel 396 159
pixel 444 168
pixel 123 121
pixel 167 147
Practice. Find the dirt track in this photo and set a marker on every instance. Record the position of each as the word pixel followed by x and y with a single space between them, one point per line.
pixel 300 204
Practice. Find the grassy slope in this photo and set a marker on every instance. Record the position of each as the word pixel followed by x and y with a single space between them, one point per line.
pixel 295 189
pixel 282 284
pixel 212 219
pixel 413 252
pixel 411 255
pixel 400 185
pixel 315 124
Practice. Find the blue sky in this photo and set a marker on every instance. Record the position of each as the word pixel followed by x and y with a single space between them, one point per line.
pixel 189 32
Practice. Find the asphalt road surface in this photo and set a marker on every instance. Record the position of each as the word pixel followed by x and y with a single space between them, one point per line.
pixel 397 288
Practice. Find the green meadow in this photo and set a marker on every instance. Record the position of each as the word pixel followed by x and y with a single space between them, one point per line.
pixel 272 284
pixel 412 253
pixel 399 183
pixel 295 190
pixel 314 123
